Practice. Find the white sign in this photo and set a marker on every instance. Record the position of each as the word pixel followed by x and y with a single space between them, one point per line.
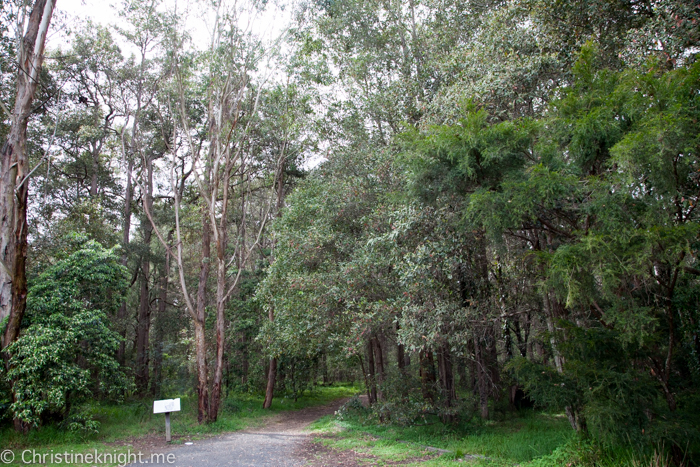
pixel 167 405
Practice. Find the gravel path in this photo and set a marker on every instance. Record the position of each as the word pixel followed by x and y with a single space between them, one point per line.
pixel 241 449
pixel 275 444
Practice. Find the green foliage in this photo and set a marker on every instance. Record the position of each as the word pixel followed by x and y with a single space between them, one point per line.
pixel 65 353
pixel 319 266
pixel 619 399
pixel 499 179
pixel 81 423
pixel 246 320
pixel 580 220
pixel 352 408
pixel 527 437
pixel 472 153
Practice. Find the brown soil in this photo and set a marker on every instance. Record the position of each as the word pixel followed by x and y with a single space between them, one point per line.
pixel 295 422
pixel 316 454
pixel 149 443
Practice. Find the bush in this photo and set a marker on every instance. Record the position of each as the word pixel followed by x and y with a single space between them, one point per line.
pixel 610 391
pixel 352 409
pixel 81 423
pixel 65 354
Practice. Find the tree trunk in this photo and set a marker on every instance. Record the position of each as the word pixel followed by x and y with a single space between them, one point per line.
pixel 121 314
pixel 160 324
pixel 156 376
pixel 379 359
pixel 143 326
pixel 491 356
pixel 221 294
pixel 462 373
pixel 294 379
pixel 401 356
pixel 427 375
pixel 521 337
pixel 482 379
pixel 447 384
pixel 14 170
pixel 324 370
pixel 271 376
pixel 220 342
pixel 371 373
pixel 199 323
pixel 245 359
pixel 508 339
pixel 558 359
pixel 272 369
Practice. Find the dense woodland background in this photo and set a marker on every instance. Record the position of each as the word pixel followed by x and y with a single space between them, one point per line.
pixel 466 206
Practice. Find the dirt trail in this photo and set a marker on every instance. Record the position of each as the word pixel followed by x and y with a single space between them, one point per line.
pixel 276 443
pixel 296 422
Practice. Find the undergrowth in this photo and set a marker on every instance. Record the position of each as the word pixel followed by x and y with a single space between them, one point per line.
pixel 527 438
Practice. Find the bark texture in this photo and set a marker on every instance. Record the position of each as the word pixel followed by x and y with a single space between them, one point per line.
pixel 143 326
pixel 199 337
pixel 14 170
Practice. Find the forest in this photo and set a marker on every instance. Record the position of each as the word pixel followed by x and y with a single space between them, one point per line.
pixel 465 207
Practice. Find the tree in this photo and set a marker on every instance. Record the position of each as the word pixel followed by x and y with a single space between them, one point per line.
pixel 146 30
pixel 220 148
pixel 76 186
pixel 286 112
pixel 14 174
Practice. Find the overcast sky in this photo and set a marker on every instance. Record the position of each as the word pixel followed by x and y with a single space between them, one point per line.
pixel 268 24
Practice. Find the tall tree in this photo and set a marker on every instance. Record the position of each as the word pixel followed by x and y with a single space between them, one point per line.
pixel 145 31
pixel 286 112
pixel 225 153
pixel 15 172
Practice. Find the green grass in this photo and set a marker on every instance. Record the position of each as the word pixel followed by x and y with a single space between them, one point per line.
pixel 528 439
pixel 519 440
pixel 123 423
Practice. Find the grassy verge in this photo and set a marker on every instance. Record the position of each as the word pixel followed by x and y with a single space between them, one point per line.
pixel 526 439
pixel 530 439
pixel 125 426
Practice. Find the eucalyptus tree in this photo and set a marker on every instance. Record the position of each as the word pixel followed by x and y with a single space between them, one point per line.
pixel 145 29
pixel 220 154
pixel 387 57
pixel 7 58
pixel 380 53
pixel 14 169
pixel 77 187
pixel 90 71
pixel 285 116
pixel 320 264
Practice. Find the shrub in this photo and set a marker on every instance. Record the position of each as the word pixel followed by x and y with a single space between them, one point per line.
pixel 65 353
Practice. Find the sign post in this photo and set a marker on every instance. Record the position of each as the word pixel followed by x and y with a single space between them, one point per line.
pixel 166 406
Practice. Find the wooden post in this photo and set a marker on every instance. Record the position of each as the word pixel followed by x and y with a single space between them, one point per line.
pixel 166 406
